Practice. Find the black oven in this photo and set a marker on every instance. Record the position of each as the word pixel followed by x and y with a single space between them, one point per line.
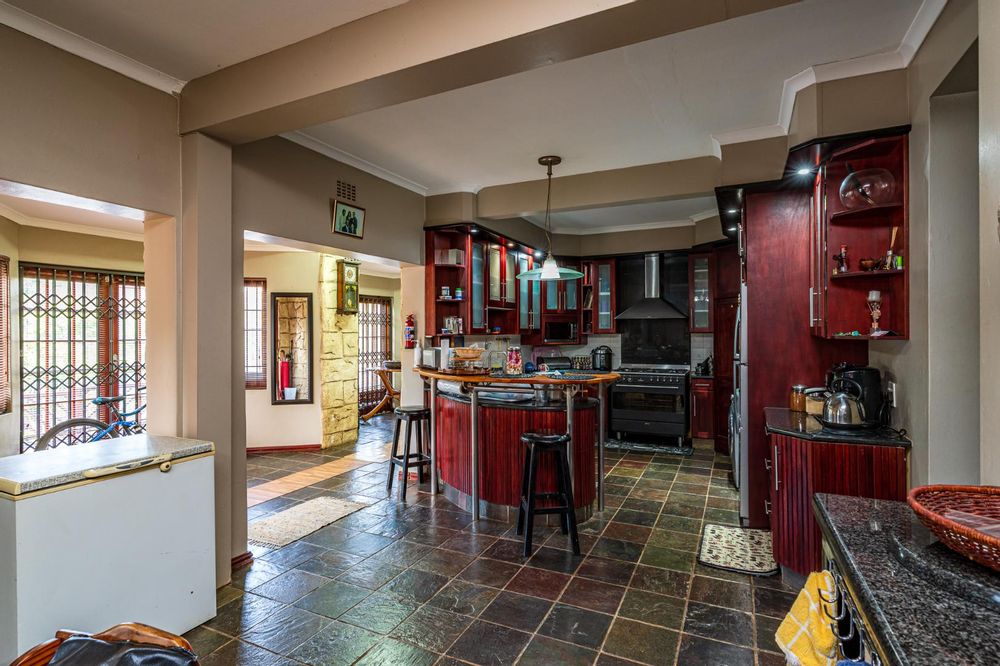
pixel 650 403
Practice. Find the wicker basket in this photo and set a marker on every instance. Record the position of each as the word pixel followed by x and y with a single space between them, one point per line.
pixel 930 502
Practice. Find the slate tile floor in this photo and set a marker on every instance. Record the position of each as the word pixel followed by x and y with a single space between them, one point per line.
pixel 421 583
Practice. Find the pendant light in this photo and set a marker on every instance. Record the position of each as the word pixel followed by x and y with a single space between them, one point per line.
pixel 550 269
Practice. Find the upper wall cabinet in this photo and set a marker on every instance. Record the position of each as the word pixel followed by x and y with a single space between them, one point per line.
pixel 701 282
pixel 599 298
pixel 859 242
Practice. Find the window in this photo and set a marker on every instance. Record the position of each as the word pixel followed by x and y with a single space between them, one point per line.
pixel 255 332
pixel 374 347
pixel 5 402
pixel 83 335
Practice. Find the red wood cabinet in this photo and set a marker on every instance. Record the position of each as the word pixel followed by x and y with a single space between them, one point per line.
pixel 839 298
pixel 448 255
pixel 701 291
pixel 799 468
pixel 599 305
pixel 702 408
pixel 562 296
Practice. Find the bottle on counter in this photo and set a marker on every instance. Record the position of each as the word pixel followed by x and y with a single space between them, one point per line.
pixel 515 364
pixel 797 399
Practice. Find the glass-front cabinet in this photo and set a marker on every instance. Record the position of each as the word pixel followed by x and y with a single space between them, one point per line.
pixel 604 296
pixel 700 298
pixel 477 288
pixel 501 275
pixel 529 303
pixel 562 296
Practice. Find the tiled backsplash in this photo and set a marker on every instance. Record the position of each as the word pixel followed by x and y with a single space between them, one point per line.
pixel 701 347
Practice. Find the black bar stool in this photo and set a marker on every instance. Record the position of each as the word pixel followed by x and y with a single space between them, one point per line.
pixel 537 444
pixel 405 459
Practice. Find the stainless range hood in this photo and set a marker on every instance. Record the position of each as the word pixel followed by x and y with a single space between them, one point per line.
pixel 652 306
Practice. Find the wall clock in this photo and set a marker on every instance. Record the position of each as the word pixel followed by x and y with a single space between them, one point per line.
pixel 347 286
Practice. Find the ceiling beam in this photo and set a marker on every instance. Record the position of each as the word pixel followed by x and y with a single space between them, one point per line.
pixel 422 48
pixel 682 179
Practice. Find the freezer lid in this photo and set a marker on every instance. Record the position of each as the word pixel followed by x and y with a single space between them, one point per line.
pixel 39 470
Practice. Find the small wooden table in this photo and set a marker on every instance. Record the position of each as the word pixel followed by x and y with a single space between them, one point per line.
pixel 391 394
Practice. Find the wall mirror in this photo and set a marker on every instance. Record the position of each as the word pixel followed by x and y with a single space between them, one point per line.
pixel 292 348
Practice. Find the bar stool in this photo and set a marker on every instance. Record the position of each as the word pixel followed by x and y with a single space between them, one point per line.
pixel 537 444
pixel 405 459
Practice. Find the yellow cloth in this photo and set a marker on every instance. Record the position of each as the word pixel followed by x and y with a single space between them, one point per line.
pixel 805 635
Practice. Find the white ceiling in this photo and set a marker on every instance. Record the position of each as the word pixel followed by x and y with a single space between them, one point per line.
pixel 649 215
pixel 190 38
pixel 656 101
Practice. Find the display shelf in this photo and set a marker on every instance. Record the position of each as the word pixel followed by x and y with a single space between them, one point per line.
pixel 867 274
pixel 878 212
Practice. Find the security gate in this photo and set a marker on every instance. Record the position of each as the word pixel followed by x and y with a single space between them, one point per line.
pixel 374 347
pixel 83 335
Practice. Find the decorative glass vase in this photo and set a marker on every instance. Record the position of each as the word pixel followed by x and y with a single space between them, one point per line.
pixel 868 187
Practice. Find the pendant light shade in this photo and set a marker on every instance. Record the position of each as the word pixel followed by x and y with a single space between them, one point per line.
pixel 550 269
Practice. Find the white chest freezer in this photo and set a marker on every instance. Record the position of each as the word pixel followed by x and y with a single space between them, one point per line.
pixel 96 534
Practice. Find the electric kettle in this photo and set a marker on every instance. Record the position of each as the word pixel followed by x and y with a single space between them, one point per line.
pixel 842 409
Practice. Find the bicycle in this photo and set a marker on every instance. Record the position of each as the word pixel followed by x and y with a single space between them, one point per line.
pixel 93 429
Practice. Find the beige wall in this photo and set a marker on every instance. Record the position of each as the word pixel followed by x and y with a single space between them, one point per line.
pixel 73 126
pixel 907 362
pixel 48 246
pixel 989 237
pixel 412 302
pixel 285 425
pixel 953 291
pixel 10 423
pixel 284 190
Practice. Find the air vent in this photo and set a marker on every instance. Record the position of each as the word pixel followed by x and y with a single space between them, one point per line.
pixel 346 191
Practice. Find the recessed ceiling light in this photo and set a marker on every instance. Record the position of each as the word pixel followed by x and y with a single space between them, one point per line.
pixel 804 171
pixel 733 211
pixel 730 228
pixel 510 245
pixel 474 230
pixel 538 253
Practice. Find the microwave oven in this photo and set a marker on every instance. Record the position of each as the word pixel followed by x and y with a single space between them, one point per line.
pixel 556 331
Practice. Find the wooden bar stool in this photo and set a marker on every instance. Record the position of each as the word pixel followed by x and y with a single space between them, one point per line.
pixel 558 445
pixel 405 459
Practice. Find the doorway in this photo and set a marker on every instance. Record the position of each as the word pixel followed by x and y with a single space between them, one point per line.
pixel 374 348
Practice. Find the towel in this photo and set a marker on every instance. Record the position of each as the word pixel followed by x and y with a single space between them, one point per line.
pixel 805 635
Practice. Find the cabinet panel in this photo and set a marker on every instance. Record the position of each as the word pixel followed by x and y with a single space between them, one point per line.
pixel 700 298
pixel 702 409
pixel 477 288
pixel 800 468
pixel 604 296
pixel 529 296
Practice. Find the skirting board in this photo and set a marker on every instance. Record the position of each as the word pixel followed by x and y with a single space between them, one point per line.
pixel 241 561
pixel 296 448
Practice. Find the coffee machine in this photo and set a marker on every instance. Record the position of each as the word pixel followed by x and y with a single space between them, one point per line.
pixel 870 381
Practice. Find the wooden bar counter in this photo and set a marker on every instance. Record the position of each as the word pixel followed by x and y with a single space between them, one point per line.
pixel 476 447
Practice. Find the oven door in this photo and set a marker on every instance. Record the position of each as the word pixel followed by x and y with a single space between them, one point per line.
pixel 637 402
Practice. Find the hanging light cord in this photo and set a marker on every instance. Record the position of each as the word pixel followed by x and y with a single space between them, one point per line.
pixel 548 208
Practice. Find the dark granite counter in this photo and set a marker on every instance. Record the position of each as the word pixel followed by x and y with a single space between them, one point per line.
pixel 783 421
pixel 922 603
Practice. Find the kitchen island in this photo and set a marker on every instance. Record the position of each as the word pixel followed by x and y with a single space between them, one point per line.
pixel 910 600
pixel 476 426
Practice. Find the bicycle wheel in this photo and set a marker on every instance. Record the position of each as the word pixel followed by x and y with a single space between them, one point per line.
pixel 72 432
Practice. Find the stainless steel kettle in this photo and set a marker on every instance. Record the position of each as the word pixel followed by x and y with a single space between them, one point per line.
pixel 841 409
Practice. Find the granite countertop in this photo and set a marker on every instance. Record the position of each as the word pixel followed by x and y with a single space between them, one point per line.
pixel 528 402
pixel 29 472
pixel 925 604
pixel 783 421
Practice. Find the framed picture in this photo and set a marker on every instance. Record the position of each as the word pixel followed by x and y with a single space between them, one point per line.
pixel 348 220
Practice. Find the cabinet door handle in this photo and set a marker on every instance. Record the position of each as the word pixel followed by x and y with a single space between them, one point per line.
pixel 777 479
pixel 767 507
pixel 812 315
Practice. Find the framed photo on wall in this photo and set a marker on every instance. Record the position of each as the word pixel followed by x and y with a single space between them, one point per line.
pixel 348 219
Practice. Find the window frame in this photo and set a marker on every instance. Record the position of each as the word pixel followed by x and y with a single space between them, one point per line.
pixel 253 379
pixel 6 379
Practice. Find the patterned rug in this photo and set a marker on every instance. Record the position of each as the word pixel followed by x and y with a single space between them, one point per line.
pixel 286 526
pixel 737 549
pixel 646 447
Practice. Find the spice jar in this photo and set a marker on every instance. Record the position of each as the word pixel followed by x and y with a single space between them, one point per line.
pixel 797 399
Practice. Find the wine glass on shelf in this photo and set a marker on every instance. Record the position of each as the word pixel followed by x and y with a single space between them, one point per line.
pixel 875 308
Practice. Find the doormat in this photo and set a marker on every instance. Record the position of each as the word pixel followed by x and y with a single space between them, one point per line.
pixel 646 447
pixel 737 549
pixel 291 524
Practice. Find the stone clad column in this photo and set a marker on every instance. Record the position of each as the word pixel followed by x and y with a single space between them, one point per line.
pixel 338 362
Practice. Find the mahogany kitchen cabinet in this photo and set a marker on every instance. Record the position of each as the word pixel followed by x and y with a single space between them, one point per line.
pixel 799 467
pixel 702 408
pixel 701 292
pixel 562 296
pixel 599 297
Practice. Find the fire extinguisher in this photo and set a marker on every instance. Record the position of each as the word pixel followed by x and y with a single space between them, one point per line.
pixel 284 374
pixel 410 332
